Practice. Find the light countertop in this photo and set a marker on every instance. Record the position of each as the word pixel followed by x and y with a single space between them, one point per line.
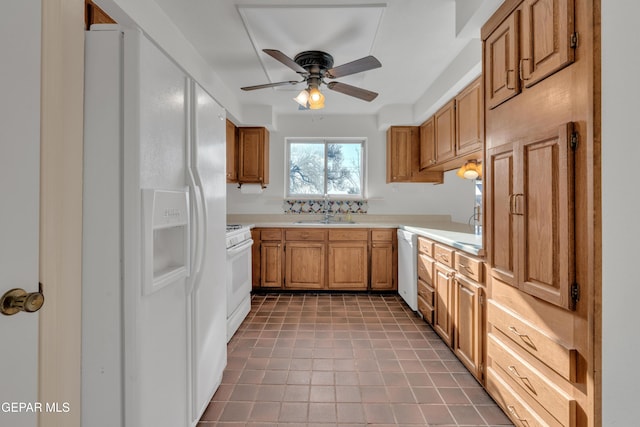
pixel 439 228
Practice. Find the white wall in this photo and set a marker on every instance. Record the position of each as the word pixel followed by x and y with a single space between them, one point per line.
pixel 620 206
pixel 454 197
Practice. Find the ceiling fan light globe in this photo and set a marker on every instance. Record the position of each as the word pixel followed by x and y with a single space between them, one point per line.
pixel 302 98
pixel 315 95
pixel 316 102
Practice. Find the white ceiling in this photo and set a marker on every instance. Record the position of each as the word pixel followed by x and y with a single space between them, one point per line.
pixel 415 40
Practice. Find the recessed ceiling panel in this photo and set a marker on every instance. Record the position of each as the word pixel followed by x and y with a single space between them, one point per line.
pixel 345 32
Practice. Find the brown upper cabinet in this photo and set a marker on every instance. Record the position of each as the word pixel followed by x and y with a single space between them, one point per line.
pixel 403 157
pixel 402 151
pixel 469 119
pixel 530 212
pixel 253 155
pixel 232 149
pixel 445 127
pixel 427 144
pixel 94 15
pixel 455 133
pixel 531 41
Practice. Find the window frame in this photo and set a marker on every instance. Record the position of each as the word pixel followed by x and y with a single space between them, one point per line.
pixel 326 141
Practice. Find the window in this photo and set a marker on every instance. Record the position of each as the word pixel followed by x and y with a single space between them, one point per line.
pixel 316 167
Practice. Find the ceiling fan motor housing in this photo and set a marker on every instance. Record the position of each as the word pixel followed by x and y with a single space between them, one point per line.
pixel 314 61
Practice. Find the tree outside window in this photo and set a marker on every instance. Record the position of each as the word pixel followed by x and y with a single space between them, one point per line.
pixel 331 167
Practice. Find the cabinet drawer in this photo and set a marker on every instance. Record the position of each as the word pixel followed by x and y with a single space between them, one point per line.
pixel 530 381
pixel 473 268
pixel 425 309
pixel 549 351
pixel 425 246
pixel 361 234
pixel 425 269
pixel 385 235
pixel 426 292
pixel 305 234
pixel 515 406
pixel 444 255
pixel 271 234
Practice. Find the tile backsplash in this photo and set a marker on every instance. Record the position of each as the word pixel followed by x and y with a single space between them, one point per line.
pixel 310 206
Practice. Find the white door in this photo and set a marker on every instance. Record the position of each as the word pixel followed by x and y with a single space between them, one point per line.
pixel 19 206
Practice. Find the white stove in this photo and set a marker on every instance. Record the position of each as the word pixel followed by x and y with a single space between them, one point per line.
pixel 236 234
pixel 239 243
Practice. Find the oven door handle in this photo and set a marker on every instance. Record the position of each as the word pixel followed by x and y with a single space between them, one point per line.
pixel 234 250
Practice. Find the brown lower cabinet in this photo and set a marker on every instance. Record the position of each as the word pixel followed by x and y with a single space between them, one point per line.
pixel 355 259
pixel 451 299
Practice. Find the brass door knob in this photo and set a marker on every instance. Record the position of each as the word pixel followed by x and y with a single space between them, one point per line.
pixel 16 300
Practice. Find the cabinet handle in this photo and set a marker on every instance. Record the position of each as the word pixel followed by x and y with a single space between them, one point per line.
pixel 517 417
pixel 512 198
pixel 524 337
pixel 515 204
pixel 451 274
pixel 524 379
pixel 507 80
pixel 465 267
pixel 522 77
pixel 443 257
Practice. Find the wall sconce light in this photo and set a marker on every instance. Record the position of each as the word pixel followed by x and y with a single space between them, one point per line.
pixel 472 169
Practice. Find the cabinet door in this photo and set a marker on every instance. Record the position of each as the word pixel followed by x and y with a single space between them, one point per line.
pixel 427 144
pixel 232 157
pixel 253 155
pixel 348 265
pixel 500 189
pixel 544 205
pixel 501 53
pixel 469 123
pixel 445 132
pixel 547 28
pixel 401 153
pixel 271 265
pixel 468 325
pixel 382 261
pixel 305 265
pixel 443 304
pixel 256 258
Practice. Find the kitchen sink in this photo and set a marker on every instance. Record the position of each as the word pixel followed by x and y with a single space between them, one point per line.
pixel 325 222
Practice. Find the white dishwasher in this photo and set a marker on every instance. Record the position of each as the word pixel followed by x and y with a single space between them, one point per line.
pixel 408 267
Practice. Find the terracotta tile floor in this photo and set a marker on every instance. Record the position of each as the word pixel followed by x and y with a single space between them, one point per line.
pixel 344 360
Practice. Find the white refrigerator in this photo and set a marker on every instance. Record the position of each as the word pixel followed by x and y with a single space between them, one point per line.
pixel 154 313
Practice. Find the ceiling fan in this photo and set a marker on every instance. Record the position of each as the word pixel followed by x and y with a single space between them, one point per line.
pixel 314 67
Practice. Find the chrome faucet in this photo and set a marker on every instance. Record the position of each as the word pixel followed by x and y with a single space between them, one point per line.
pixel 326 210
pixel 476 219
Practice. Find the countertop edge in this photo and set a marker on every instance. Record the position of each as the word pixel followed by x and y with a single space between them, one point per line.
pixel 446 237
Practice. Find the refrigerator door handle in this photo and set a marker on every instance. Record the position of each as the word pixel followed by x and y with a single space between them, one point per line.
pixel 199 230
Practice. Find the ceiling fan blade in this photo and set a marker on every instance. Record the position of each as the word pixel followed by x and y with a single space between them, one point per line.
pixel 365 95
pixel 279 56
pixel 266 85
pixel 353 67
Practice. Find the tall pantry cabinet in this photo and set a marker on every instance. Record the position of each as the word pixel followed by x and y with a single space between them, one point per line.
pixel 540 68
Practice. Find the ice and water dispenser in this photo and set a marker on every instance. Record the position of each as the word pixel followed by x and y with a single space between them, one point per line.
pixel 165 246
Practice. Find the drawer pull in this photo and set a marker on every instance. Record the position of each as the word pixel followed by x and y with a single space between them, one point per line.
pixel 443 257
pixel 517 417
pixel 524 337
pixel 466 268
pixel 524 379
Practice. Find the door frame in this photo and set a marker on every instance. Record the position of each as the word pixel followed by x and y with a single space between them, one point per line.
pixel 62 101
